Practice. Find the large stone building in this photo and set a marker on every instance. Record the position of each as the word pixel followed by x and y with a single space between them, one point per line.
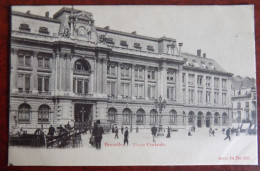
pixel 244 99
pixel 66 69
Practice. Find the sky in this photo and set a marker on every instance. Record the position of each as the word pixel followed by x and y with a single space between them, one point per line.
pixel 224 33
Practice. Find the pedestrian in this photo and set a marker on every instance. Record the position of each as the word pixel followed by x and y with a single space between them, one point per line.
pixel 97 133
pixel 213 133
pixel 169 133
pixel 210 131
pixel 126 136
pixel 116 132
pixel 228 134
pixel 154 131
pixel 122 129
pixel 113 129
pixel 137 129
pixel 51 131
pixel 68 127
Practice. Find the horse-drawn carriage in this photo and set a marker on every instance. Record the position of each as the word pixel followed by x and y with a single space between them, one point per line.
pixel 65 138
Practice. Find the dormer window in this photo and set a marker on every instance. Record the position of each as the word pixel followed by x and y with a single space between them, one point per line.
pixel 195 63
pixel 110 41
pixel 24 27
pixel 204 65
pixel 137 46
pixel 123 43
pixel 44 30
pixel 150 48
pixel 211 66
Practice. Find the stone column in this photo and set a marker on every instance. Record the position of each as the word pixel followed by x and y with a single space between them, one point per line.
pixel 118 80
pixel 204 90
pixel 162 81
pixel 187 88
pixel 146 83
pixel 212 91
pixel 220 92
pixel 13 74
pixel 179 87
pixel 133 81
pixel 196 91
pixel 34 76
pixel 104 76
pixel 98 76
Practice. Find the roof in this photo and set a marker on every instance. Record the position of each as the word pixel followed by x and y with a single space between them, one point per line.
pixel 69 10
pixel 201 62
pixel 35 16
pixel 239 82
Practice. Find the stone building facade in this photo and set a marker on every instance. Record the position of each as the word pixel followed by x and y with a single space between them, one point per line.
pixel 243 99
pixel 66 69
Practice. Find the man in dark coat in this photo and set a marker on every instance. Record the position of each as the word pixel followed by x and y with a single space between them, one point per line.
pixel 97 133
pixel 228 134
pixel 126 136
pixel 116 132
pixel 168 132
pixel 51 131
pixel 154 131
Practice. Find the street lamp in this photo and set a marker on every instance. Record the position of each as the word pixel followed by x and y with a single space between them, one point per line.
pixel 160 104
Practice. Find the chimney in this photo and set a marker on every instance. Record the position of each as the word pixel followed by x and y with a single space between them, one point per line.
pixel 134 32
pixel 107 27
pixel 28 12
pixel 180 47
pixel 199 52
pixel 47 14
pixel 204 55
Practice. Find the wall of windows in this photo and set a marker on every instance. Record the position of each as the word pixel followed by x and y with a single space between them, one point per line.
pixel 23 82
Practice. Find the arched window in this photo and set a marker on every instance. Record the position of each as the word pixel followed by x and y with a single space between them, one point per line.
pixel 173 116
pixel 24 112
pixel 153 116
pixel 44 113
pixel 127 115
pixel 224 119
pixel 81 65
pixel 112 114
pixel 140 116
pixel 191 117
pixel 216 119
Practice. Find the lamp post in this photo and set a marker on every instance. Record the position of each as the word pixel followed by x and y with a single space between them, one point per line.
pixel 160 104
pixel 82 111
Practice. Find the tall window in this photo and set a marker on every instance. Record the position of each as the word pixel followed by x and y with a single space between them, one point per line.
pixel 224 84
pixel 191 118
pixel 247 115
pixel 140 116
pixel 112 114
pixel 80 86
pixel 152 91
pixel 139 90
pixel 171 93
pixel 24 59
pixel 153 116
pixel 124 89
pixel 23 82
pixel 199 80
pixel 24 113
pixel 191 95
pixel 224 98
pixel 239 116
pixel 216 97
pixel 43 62
pixel 111 70
pixel 127 115
pixel 216 82
pixel 125 71
pixel 216 119
pixel 200 96
pixel 191 79
pixel 224 119
pixel 139 72
pixel 171 75
pixel 43 113
pixel 247 104
pixel 111 89
pixel 208 80
pixel 238 105
pixel 184 95
pixel 43 84
pixel 173 116
pixel 208 93
pixel 151 74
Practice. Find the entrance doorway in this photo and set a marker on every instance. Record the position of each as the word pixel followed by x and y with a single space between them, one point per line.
pixel 208 118
pixel 199 120
pixel 82 114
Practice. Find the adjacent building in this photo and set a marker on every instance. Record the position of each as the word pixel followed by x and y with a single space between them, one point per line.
pixel 244 99
pixel 67 69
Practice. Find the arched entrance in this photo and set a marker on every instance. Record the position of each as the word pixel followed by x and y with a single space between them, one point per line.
pixel 208 119
pixel 199 120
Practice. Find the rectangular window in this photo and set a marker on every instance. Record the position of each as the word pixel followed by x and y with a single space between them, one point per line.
pixel 224 84
pixel 208 93
pixel 184 95
pixel 127 72
pixel 136 73
pixel 247 105
pixel 224 98
pixel 191 95
pixel 27 82
pixel 122 89
pixel 20 82
pixel 216 82
pixel 199 80
pixel 170 93
pixel 136 90
pixel 183 78
pixel 27 60
pixel 80 86
pixel 151 75
pixel 216 94
pixel 85 86
pixel 47 63
pixel 141 73
pixel 113 89
pixel 127 90
pixel 40 62
pixel 200 96
pixel 208 80
pixel 74 85
pixel 171 76
pixel 40 84
pixel 191 79
pixel 46 84
pixel 20 60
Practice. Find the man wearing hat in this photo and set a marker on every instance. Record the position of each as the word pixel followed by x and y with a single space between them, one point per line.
pixel 97 133
pixel 126 136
